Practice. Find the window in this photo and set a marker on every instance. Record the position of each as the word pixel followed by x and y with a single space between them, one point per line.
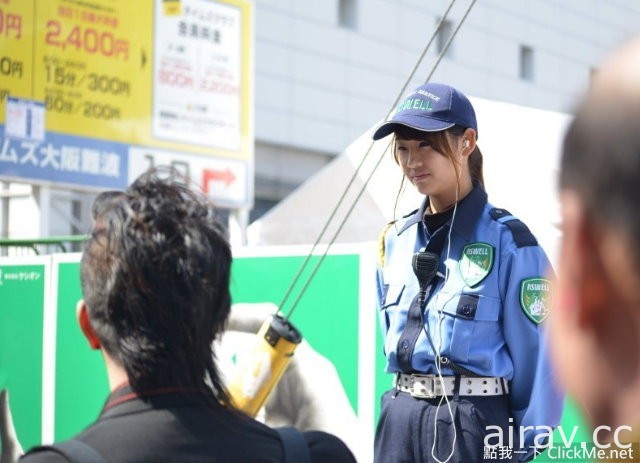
pixel 347 13
pixel 260 207
pixel 444 34
pixel 526 63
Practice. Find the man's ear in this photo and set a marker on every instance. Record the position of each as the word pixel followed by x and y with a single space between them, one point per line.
pixel 582 288
pixel 595 291
pixel 85 325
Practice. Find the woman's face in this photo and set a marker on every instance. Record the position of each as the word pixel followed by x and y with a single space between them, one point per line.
pixel 432 172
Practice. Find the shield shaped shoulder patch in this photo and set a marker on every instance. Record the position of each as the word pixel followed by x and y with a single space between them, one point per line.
pixel 535 298
pixel 476 262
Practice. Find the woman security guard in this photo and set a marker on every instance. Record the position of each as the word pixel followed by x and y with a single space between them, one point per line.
pixel 462 293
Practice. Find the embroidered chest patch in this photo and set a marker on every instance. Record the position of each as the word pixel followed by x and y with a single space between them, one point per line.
pixel 535 298
pixel 476 262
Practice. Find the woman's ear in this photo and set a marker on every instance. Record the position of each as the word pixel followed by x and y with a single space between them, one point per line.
pixel 468 142
pixel 85 325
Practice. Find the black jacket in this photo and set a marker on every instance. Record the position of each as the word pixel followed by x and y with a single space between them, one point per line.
pixel 179 426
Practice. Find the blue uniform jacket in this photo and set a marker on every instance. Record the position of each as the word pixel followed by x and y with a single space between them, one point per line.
pixel 483 325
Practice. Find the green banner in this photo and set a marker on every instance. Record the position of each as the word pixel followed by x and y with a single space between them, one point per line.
pixel 336 315
pixel 22 301
pixel 327 315
pixel 81 385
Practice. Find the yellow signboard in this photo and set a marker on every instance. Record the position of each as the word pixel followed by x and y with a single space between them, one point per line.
pixel 121 77
pixel 16 20
pixel 91 67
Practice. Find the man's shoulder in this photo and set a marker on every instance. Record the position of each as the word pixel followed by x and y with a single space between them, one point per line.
pixel 44 455
pixel 222 434
pixel 138 437
pixel 327 447
pixel 72 450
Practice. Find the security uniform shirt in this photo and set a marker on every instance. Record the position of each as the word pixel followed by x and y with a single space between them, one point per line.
pixel 486 316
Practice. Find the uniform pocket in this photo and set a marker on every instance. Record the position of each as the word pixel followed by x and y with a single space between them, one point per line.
pixel 488 309
pixel 392 295
pixel 475 325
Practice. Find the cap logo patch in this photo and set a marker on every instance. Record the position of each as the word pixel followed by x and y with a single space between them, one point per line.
pixel 476 262
pixel 415 103
pixel 428 94
pixel 535 298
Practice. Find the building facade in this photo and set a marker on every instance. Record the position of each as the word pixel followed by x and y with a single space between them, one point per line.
pixel 326 71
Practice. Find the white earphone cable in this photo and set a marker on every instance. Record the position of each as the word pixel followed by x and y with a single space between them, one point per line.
pixel 438 346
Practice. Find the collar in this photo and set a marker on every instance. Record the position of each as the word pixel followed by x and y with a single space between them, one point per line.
pixel 469 211
pixel 124 399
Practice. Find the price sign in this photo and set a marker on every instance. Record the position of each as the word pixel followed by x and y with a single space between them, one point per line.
pixel 113 78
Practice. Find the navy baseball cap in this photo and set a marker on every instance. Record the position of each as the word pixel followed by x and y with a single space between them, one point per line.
pixel 431 107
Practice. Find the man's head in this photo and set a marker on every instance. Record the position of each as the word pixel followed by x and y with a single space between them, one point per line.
pixel 596 319
pixel 155 279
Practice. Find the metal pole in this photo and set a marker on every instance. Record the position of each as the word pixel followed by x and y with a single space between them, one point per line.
pixel 4 217
pixel 238 223
pixel 43 198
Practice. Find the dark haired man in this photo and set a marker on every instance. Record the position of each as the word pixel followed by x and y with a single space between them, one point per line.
pixel 155 281
pixel 595 326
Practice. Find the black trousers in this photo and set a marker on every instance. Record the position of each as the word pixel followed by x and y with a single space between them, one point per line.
pixel 406 433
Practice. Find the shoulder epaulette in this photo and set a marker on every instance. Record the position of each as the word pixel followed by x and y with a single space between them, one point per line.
pixel 521 233
pixel 381 240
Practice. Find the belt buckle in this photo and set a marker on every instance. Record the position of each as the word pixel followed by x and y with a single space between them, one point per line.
pixel 425 388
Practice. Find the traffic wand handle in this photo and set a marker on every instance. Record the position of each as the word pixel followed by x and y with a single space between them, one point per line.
pixel 259 371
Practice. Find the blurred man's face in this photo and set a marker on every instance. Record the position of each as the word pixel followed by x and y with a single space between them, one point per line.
pixel 594 326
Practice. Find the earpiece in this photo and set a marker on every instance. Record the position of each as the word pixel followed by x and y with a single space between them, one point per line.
pixel 466 144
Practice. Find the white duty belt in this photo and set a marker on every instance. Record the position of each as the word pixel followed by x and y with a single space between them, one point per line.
pixel 430 386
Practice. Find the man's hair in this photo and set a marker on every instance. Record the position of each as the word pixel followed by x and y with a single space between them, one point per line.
pixel 155 278
pixel 601 162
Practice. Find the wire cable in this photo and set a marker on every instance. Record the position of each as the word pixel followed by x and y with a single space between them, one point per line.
pixel 366 155
pixel 342 223
pixel 446 47
pixel 352 207
pixel 356 172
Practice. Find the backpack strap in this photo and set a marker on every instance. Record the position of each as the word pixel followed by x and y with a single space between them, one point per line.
pixel 295 446
pixel 521 233
pixel 73 450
